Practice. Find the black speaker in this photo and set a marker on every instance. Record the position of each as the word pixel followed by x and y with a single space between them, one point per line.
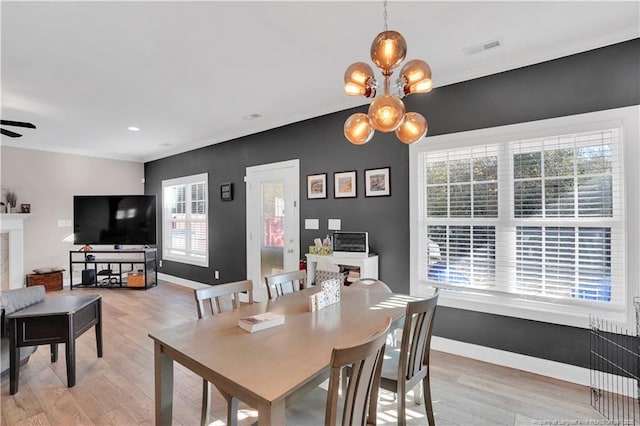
pixel 88 276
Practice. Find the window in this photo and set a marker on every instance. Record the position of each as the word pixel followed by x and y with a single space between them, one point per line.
pixel 273 214
pixel 529 216
pixel 563 211
pixel 461 188
pixel 185 220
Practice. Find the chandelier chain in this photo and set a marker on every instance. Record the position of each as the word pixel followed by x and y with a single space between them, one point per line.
pixel 385 15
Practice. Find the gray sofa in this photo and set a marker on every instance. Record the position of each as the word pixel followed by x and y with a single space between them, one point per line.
pixel 10 302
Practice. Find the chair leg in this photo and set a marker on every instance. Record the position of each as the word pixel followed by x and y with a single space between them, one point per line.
pixel 426 392
pixel 204 417
pixel 402 412
pixel 417 394
pixel 232 411
pixel 232 408
pixel 344 374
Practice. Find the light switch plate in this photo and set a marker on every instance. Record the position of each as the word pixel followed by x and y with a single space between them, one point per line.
pixel 334 224
pixel 311 224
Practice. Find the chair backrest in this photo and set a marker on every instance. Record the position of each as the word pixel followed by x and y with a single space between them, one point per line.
pixel 287 282
pixel 371 284
pixel 213 294
pixel 416 337
pixel 361 395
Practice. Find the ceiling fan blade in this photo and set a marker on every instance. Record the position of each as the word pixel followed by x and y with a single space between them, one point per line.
pixel 17 124
pixel 10 133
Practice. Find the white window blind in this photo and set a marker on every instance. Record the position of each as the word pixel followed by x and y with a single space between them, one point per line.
pixel 567 208
pixel 459 215
pixel 185 220
pixel 541 218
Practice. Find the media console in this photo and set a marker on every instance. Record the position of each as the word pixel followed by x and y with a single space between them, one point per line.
pixel 104 268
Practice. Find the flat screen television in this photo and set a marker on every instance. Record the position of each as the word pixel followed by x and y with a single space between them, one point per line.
pixel 114 219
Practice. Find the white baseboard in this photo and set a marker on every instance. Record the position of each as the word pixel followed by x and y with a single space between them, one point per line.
pixel 543 367
pixel 180 281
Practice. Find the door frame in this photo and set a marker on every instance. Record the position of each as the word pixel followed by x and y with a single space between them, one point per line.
pixel 293 205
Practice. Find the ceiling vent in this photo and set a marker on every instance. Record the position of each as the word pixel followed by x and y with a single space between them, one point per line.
pixel 482 47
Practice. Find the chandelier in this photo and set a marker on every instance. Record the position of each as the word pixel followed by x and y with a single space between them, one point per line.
pixel 387 112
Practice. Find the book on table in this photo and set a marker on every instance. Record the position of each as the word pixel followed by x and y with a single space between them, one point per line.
pixel 260 321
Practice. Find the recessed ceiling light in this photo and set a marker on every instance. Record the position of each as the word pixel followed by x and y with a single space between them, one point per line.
pixel 133 128
pixel 251 116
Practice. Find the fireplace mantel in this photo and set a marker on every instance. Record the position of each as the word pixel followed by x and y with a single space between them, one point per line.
pixel 13 224
pixel 13 220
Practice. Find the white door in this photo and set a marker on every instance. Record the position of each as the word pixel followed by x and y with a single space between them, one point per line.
pixel 273 221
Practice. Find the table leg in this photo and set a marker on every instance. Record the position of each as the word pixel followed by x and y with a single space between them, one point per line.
pixel 273 415
pixel 14 358
pixel 163 370
pixel 54 352
pixel 70 351
pixel 98 327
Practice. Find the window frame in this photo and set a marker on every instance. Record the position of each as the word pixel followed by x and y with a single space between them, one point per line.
pixel 188 257
pixel 565 311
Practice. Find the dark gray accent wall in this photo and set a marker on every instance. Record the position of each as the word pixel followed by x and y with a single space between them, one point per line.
pixel 321 148
pixel 596 80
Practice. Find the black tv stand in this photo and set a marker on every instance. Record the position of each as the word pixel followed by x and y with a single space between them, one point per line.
pixel 115 268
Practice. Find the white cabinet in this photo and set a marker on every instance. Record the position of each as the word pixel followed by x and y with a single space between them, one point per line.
pixel 368 265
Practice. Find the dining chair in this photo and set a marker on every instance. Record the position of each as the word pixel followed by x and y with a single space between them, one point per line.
pixel 404 368
pixel 358 404
pixel 360 399
pixel 371 284
pixel 212 296
pixel 287 282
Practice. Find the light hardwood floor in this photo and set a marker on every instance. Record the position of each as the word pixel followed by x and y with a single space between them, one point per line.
pixel 118 388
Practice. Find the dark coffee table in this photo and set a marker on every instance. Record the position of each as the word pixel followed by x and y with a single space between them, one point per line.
pixel 59 319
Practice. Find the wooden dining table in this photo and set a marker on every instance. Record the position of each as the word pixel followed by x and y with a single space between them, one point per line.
pixel 268 368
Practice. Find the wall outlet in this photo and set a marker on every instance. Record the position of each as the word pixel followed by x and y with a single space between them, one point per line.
pixel 216 275
pixel 160 263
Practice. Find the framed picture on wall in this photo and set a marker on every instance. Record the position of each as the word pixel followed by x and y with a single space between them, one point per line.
pixel 226 191
pixel 344 184
pixel 317 186
pixel 377 182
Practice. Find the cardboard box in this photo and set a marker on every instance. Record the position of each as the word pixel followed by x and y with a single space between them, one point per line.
pixel 135 279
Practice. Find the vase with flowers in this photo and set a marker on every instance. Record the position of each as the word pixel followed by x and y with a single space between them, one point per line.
pixel 12 199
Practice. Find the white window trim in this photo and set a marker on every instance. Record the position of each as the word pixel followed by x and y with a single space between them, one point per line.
pixel 186 180
pixel 566 313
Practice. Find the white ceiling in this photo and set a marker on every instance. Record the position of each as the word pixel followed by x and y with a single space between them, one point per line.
pixel 187 72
